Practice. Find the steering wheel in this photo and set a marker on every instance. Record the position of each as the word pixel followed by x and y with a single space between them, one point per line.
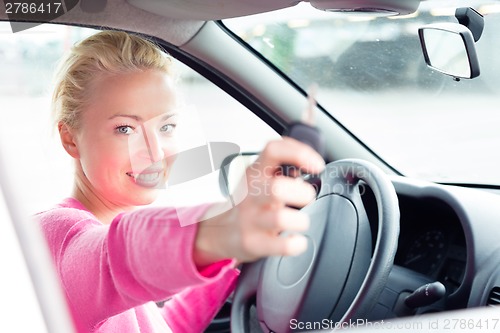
pixel 336 279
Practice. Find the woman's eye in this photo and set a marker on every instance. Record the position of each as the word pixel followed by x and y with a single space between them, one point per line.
pixel 168 128
pixel 124 130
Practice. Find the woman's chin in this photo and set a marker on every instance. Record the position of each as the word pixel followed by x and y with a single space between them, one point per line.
pixel 144 197
pixel 144 201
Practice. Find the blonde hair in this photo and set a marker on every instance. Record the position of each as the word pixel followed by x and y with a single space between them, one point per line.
pixel 106 53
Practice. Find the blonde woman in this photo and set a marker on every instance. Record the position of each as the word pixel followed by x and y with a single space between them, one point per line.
pixel 115 260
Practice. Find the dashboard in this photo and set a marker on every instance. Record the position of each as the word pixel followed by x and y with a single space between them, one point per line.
pixel 449 234
pixel 432 240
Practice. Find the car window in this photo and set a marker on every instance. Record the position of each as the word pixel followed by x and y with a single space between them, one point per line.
pixel 17 296
pixel 372 77
pixel 29 141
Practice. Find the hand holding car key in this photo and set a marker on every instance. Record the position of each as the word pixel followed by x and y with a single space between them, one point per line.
pixel 305 131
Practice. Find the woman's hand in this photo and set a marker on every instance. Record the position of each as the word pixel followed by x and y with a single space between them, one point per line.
pixel 263 224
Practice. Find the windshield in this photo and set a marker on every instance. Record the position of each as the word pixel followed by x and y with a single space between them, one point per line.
pixel 372 77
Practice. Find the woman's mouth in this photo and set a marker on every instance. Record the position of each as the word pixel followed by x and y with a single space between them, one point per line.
pixel 148 178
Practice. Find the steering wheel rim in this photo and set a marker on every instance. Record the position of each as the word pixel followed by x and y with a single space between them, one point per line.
pixel 281 286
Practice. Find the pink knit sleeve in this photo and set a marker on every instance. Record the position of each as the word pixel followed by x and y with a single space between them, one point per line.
pixel 193 309
pixel 141 256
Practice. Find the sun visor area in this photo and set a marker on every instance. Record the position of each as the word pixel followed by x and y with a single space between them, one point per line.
pixel 374 7
pixel 119 14
pixel 210 10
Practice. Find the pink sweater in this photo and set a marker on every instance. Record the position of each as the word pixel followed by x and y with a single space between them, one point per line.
pixel 113 274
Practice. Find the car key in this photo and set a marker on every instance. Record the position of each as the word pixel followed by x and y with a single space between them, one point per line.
pixel 305 131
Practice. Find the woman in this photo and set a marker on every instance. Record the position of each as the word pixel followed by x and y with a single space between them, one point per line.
pixel 115 105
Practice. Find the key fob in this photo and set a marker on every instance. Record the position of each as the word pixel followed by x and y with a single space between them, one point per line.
pixel 311 136
pixel 307 134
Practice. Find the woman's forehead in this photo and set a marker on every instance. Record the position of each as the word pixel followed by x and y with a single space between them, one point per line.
pixel 143 95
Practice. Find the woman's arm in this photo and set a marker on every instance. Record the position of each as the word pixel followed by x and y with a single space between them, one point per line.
pixel 141 256
pixel 193 309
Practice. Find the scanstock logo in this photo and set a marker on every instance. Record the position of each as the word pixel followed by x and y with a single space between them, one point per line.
pixel 26 14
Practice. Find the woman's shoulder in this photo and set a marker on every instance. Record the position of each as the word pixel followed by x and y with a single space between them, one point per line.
pixel 62 222
pixel 68 206
pixel 64 216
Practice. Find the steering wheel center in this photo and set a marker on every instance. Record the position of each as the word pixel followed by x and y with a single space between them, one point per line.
pixel 291 270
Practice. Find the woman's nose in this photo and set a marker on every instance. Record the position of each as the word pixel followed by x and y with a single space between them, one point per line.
pixel 153 146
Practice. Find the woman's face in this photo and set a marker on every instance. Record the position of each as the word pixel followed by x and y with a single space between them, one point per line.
pixel 126 138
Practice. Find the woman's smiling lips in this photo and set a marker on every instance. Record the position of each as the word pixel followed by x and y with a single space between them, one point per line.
pixel 151 177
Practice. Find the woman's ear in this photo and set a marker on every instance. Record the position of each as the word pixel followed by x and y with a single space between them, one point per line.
pixel 68 141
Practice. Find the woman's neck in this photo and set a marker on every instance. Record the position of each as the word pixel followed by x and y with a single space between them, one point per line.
pixel 101 208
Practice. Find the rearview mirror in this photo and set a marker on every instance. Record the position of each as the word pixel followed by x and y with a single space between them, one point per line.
pixel 449 48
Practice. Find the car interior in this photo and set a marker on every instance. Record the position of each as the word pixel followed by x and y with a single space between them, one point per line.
pixel 405 228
